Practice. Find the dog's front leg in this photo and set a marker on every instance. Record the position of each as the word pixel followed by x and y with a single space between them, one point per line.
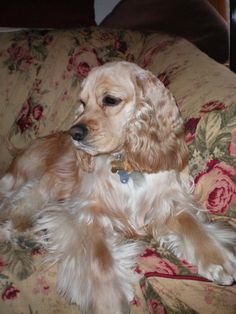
pixel 205 245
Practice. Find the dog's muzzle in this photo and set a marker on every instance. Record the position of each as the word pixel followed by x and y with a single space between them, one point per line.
pixel 78 132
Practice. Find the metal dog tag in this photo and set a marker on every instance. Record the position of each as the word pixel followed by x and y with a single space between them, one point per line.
pixel 124 176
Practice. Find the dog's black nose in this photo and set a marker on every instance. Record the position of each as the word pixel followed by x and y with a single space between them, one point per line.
pixel 78 132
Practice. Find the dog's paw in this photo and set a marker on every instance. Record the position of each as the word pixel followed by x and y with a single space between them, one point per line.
pixel 224 274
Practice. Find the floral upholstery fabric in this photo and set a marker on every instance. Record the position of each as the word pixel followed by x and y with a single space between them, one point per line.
pixel 40 75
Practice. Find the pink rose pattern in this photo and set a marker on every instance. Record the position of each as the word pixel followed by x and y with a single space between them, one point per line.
pixel 218 179
pixel 190 130
pixel 83 56
pixel 29 250
pixel 82 61
pixel 157 263
pixel 136 301
pixel 41 286
pixel 212 105
pixel 10 292
pixel 32 111
pixel 27 48
pixel 155 307
pixel 164 264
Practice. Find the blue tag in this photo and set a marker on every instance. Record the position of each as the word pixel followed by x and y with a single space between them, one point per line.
pixel 124 176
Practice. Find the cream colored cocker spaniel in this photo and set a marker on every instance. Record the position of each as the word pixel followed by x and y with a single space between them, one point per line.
pixel 114 177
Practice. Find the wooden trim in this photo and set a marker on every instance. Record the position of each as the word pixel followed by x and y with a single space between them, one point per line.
pixel 221 7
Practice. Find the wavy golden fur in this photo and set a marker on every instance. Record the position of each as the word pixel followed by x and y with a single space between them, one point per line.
pixel 155 136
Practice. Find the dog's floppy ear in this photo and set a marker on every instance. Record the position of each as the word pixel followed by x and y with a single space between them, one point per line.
pixel 155 135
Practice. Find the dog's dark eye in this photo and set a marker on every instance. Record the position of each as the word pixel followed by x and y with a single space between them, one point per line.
pixel 110 101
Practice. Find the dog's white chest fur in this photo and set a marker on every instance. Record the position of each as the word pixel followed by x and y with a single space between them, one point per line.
pixel 137 198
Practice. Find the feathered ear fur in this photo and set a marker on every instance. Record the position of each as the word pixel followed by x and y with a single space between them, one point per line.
pixel 155 135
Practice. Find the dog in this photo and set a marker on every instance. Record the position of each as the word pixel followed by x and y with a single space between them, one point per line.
pixel 93 192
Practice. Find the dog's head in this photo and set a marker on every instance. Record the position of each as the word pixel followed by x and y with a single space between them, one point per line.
pixel 124 108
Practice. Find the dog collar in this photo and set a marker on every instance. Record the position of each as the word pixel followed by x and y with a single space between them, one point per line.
pixel 122 167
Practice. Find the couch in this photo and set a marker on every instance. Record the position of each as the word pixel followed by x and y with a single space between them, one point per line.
pixel 40 75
